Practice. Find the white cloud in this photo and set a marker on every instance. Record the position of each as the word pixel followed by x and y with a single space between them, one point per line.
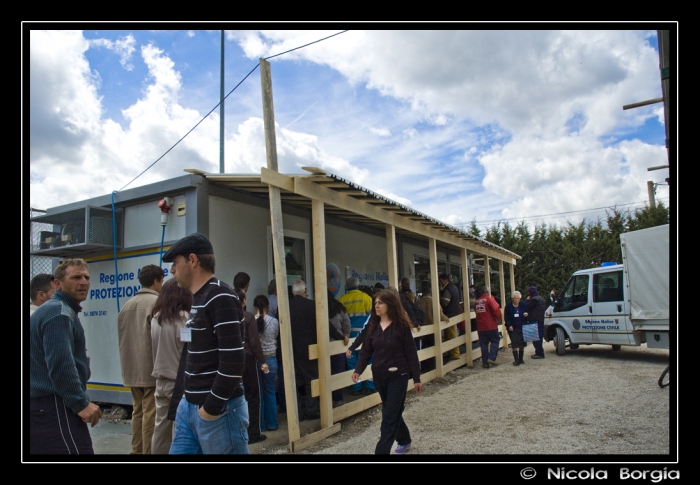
pixel 552 101
pixel 380 131
pixel 394 197
pixel 123 46
pixel 492 124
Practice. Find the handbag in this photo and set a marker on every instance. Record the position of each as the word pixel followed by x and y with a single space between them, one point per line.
pixel 530 333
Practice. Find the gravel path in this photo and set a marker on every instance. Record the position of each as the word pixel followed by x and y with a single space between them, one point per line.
pixel 592 401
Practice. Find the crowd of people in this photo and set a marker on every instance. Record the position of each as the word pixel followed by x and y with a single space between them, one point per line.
pixel 206 375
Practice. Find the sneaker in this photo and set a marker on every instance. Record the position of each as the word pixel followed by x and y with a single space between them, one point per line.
pixel 257 440
pixel 537 356
pixel 401 449
pixel 493 362
pixel 485 366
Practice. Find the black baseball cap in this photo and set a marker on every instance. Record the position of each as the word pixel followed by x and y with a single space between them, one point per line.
pixel 193 244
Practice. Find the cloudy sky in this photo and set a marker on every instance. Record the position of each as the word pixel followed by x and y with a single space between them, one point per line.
pixel 460 125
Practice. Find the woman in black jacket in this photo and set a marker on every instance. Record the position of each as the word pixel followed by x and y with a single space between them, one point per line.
pixel 389 343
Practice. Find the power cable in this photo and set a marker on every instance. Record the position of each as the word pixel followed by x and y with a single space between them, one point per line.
pixel 219 103
pixel 560 214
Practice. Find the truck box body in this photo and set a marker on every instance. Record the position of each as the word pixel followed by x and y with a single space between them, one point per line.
pixel 620 304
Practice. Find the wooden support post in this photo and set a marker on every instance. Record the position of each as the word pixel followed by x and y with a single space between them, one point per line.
pixel 391 255
pixel 487 273
pixel 435 287
pixel 318 229
pixel 279 257
pixel 502 291
pixel 467 309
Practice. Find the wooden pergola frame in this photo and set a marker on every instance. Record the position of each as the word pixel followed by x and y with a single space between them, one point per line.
pixel 325 193
pixel 322 193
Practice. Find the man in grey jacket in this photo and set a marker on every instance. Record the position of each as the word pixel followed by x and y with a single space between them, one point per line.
pixel 136 357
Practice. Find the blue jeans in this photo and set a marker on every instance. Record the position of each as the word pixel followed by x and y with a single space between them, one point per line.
pixel 486 337
pixel 352 362
pixel 268 400
pixel 225 435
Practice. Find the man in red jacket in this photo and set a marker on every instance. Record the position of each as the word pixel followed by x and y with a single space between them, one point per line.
pixel 488 317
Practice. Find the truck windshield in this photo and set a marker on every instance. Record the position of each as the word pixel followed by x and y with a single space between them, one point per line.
pixel 575 293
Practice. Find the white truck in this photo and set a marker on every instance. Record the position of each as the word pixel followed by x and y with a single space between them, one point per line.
pixel 617 304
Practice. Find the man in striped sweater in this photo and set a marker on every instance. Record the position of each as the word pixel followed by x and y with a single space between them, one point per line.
pixel 212 416
pixel 59 408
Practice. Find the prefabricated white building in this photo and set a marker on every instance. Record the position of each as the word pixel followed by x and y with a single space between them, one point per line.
pixel 332 229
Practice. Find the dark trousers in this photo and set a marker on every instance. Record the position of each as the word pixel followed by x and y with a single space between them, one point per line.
pixel 337 366
pixel 393 393
pixel 305 371
pixel 539 350
pixel 56 430
pixel 251 385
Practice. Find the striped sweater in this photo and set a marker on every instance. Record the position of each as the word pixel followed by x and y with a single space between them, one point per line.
pixel 58 357
pixel 215 356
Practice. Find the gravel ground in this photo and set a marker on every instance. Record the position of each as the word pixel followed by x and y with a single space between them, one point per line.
pixel 592 401
pixel 589 405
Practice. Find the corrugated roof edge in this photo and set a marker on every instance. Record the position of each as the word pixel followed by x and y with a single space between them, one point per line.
pixel 420 214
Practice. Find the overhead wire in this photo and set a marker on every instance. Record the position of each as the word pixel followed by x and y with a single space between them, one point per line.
pixel 222 100
pixel 555 214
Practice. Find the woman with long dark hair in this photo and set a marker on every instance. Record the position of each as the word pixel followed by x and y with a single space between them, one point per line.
pixel 254 359
pixel 268 329
pixel 389 342
pixel 169 315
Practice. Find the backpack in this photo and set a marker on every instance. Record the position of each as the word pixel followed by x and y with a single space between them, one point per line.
pixel 419 313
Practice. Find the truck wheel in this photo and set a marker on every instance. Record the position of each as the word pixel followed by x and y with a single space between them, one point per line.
pixel 573 346
pixel 560 341
pixel 616 347
pixel 665 378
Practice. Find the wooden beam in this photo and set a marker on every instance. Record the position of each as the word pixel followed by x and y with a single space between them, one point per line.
pixel 391 255
pixel 435 288
pixel 318 230
pixel 279 256
pixel 487 274
pixel 502 291
pixel 313 438
pixel 368 209
pixel 467 305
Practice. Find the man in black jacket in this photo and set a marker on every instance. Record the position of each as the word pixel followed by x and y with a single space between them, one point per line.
pixel 535 314
pixel 302 314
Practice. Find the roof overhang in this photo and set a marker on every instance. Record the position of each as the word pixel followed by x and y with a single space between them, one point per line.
pixel 348 201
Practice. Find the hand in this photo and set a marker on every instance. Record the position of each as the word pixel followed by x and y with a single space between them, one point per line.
pixel 510 328
pixel 91 414
pixel 205 415
pixel 348 353
pixel 265 368
pixel 418 328
pixel 524 314
pixel 355 377
pixel 346 339
pixel 418 387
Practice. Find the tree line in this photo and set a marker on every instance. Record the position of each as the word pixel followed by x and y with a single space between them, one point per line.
pixel 550 254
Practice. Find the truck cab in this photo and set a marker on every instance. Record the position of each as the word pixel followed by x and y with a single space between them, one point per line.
pixel 591 309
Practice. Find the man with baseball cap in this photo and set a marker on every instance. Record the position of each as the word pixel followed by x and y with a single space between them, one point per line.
pixel 212 416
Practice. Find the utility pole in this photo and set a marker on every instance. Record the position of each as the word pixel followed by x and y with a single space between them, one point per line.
pixel 652 195
pixel 221 109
